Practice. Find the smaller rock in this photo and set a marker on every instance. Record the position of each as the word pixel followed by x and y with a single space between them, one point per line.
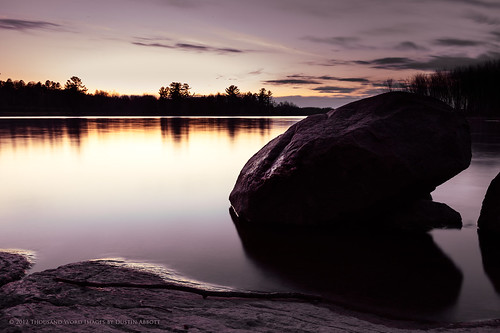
pixel 489 219
pixel 422 216
pixel 13 265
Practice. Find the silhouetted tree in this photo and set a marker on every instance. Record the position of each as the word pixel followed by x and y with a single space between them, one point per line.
pixel 264 97
pixel 232 91
pixel 472 89
pixel 51 85
pixel 164 93
pixel 75 84
pixel 175 91
pixel 48 98
pixel 19 84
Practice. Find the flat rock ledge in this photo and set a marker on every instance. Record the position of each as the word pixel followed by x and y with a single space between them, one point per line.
pixel 109 296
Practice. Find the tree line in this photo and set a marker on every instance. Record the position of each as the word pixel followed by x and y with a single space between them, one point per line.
pixel 472 89
pixel 72 98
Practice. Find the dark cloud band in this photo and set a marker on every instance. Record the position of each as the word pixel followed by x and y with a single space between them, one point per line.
pixel 456 42
pixel 291 81
pixel 14 24
pixel 333 89
pixel 433 63
pixel 190 47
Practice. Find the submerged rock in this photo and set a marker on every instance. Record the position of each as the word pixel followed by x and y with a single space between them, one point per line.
pixel 421 216
pixel 489 219
pixel 354 163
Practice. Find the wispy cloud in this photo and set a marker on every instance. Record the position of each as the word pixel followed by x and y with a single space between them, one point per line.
pixel 388 61
pixel 256 72
pixel 23 25
pixel 496 34
pixel 334 90
pixel 344 79
pixel 153 45
pixel 432 63
pixel 482 18
pixel 332 40
pixel 180 3
pixel 477 3
pixel 189 47
pixel 300 79
pixel 346 42
pixel 408 46
pixel 291 81
pixel 457 42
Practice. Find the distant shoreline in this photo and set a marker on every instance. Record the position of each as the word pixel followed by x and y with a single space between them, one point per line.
pixel 303 111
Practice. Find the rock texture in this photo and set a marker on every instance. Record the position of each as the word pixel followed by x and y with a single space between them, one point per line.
pixel 354 163
pixel 13 265
pixel 41 302
pixel 489 219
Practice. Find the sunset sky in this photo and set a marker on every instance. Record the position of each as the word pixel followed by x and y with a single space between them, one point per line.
pixel 314 52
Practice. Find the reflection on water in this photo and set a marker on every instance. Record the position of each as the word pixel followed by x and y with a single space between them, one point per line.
pixel 57 131
pixel 156 190
pixel 405 275
pixel 490 253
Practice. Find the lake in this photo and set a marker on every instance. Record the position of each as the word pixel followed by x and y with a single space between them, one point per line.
pixel 156 190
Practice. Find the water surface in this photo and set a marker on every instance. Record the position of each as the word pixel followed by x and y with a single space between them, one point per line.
pixel 156 190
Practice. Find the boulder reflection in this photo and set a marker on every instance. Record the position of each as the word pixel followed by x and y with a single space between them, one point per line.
pixel 489 245
pixel 392 274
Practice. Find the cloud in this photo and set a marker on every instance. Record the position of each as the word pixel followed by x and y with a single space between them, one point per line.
pixel 311 79
pixel 405 46
pixel 153 45
pixel 456 42
pixel 482 19
pixel 291 81
pixel 477 3
pixel 22 25
pixel 342 41
pixel 496 34
pixel 256 72
pixel 332 40
pixel 334 89
pixel 432 63
pixel 383 62
pixel 343 79
pixel 190 47
pixel 179 3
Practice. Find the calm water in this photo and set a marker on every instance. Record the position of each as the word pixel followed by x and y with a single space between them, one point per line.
pixel 156 190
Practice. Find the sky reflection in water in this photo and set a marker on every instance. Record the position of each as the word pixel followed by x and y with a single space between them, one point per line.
pixel 156 189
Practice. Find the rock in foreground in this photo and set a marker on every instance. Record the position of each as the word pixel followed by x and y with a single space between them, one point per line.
pixel 13 265
pixel 98 296
pixel 489 219
pixel 354 163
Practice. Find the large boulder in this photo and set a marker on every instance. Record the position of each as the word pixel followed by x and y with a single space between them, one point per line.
pixel 354 163
pixel 489 219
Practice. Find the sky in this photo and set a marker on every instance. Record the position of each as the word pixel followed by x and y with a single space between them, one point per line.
pixel 312 53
